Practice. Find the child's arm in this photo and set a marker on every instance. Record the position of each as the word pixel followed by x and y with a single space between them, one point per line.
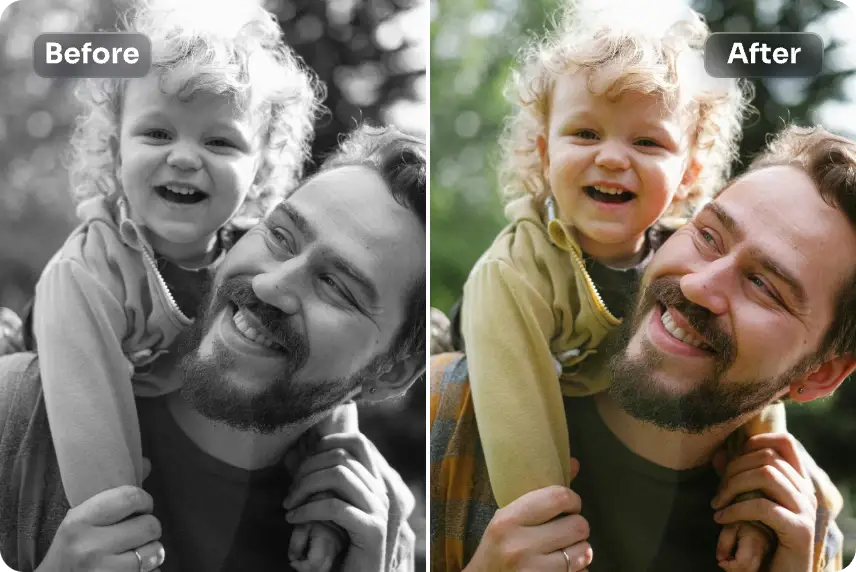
pixel 79 324
pixel 507 322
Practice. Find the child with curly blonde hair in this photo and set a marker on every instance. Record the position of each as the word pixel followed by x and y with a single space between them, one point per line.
pixel 618 136
pixel 161 167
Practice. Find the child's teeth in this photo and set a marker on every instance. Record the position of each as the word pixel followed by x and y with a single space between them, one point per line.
pixel 181 190
pixel 608 190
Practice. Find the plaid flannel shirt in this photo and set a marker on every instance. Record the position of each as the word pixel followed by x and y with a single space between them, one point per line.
pixel 462 502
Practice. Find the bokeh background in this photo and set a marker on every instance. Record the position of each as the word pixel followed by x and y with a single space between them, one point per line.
pixel 473 43
pixel 371 55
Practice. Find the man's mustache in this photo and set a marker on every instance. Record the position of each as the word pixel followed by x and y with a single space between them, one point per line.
pixel 668 292
pixel 239 291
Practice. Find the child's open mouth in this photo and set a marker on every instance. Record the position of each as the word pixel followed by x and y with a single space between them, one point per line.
pixel 609 194
pixel 181 194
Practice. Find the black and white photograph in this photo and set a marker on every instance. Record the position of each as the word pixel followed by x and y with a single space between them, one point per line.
pixel 213 285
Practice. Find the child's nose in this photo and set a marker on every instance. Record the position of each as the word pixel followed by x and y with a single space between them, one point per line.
pixel 612 156
pixel 184 158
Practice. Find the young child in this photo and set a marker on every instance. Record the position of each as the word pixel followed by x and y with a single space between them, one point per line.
pixel 618 135
pixel 219 128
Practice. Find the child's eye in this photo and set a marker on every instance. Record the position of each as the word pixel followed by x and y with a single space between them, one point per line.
pixel 586 134
pixel 159 134
pixel 647 143
pixel 220 142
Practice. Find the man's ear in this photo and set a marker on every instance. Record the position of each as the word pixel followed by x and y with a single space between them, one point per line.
pixel 543 153
pixel 398 378
pixel 823 380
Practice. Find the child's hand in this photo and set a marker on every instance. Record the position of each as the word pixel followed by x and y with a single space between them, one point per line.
pixel 742 547
pixel 325 544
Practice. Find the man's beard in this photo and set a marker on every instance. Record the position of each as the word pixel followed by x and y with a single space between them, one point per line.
pixel 285 400
pixel 714 400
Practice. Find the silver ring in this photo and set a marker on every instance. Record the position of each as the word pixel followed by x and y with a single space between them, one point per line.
pixel 567 559
pixel 140 560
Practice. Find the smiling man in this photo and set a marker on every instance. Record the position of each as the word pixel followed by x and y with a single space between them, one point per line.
pixel 738 309
pixel 321 303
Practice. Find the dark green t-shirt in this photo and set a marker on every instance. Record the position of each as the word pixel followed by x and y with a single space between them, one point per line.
pixel 643 517
pixel 215 517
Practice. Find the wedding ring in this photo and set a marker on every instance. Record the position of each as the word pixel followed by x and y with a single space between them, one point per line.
pixel 567 559
pixel 140 560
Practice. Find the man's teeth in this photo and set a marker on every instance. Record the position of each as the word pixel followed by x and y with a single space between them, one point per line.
pixel 608 190
pixel 680 334
pixel 251 333
pixel 182 189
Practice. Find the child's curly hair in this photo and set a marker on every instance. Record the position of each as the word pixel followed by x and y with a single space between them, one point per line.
pixel 621 57
pixel 225 48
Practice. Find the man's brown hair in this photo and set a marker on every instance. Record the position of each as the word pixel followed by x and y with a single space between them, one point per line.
pixel 830 161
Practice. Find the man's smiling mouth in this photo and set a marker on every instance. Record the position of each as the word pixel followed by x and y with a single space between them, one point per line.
pixel 680 334
pixel 244 325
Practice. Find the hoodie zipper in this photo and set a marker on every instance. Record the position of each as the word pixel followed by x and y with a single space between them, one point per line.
pixel 165 289
pixel 595 295
pixel 598 300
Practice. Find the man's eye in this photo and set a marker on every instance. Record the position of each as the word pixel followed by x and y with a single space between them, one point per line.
pixel 708 237
pixel 334 286
pixel 760 284
pixel 282 238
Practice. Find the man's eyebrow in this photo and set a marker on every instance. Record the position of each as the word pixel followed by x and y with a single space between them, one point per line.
pixel 725 219
pixel 297 219
pixel 339 263
pixel 363 282
pixel 770 265
pixel 784 275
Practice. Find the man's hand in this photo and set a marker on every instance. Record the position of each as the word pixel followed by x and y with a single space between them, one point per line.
pixel 772 465
pixel 102 533
pixel 532 532
pixel 345 467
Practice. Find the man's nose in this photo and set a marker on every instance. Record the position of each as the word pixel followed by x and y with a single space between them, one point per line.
pixel 184 157
pixel 613 156
pixel 707 285
pixel 280 286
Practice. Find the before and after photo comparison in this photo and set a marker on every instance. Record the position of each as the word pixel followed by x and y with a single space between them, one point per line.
pixel 406 285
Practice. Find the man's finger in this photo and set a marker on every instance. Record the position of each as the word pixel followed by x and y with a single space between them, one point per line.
pixel 759 458
pixel 348 517
pixel 575 468
pixel 768 480
pixel 784 444
pixel 543 505
pixel 357 445
pixel 777 517
pixel 131 533
pixel 147 468
pixel 114 505
pixel 559 533
pixel 338 480
pixel 331 458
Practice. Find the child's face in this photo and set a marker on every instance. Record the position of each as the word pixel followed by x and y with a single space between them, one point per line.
pixel 186 166
pixel 612 166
